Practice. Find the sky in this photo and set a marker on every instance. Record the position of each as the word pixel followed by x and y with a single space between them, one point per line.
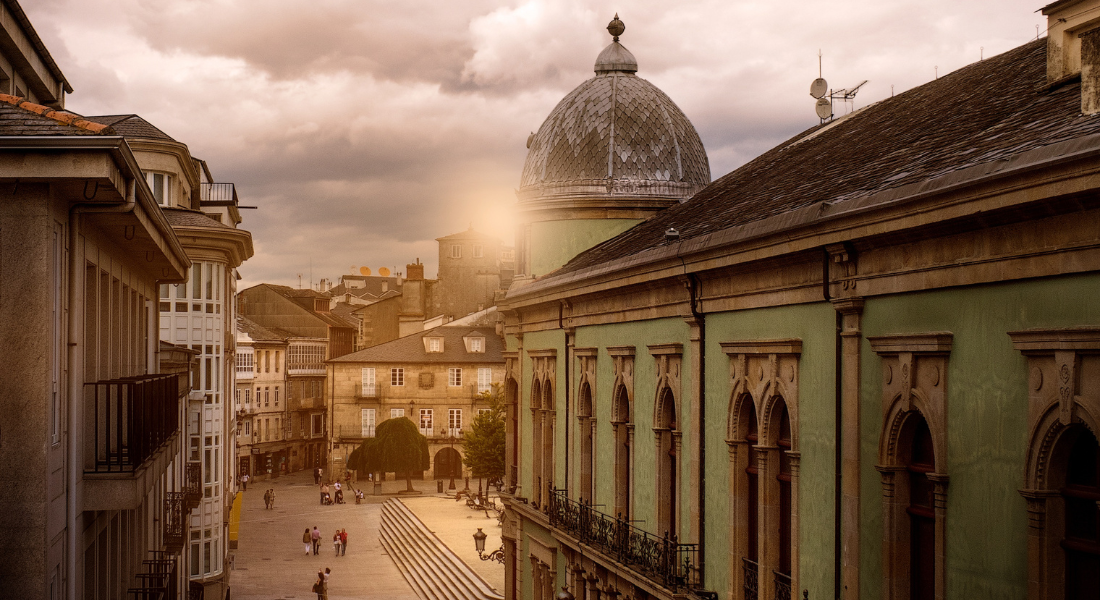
pixel 365 129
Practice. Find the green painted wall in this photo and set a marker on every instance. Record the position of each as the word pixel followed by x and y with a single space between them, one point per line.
pixel 814 324
pixel 986 422
pixel 553 243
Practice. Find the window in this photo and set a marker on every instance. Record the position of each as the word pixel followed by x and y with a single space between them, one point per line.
pixel 435 344
pixel 397 376
pixel 244 363
pixel 479 251
pixel 454 422
pixel 426 422
pixel 276 396
pixel 318 425
pixel 248 427
pixel 161 184
pixel 267 397
pixel 484 380
pixel 397 413
pixel 454 377
pixel 368 422
pixel 267 361
pixel 456 251
pixel 484 411
pixel 368 382
pixel 248 398
pixel 276 361
pixel 477 344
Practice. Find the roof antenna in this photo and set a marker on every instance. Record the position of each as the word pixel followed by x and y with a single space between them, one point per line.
pixel 820 89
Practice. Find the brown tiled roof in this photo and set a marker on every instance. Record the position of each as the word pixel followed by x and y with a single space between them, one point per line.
pixel 347 313
pixel 987 112
pixel 181 217
pixel 19 117
pixel 132 126
pixel 293 293
pixel 410 349
pixel 257 332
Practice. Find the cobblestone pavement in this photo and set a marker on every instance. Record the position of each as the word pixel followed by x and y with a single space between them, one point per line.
pixel 270 561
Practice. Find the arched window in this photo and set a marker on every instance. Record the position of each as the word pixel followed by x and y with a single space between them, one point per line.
pixel 586 430
pixel 547 441
pixel 623 445
pixel 783 477
pixel 746 499
pixel 922 513
pixel 1081 537
pixel 667 484
pixel 511 391
pixel 536 443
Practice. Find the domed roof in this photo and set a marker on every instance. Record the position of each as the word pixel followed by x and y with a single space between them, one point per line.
pixel 615 135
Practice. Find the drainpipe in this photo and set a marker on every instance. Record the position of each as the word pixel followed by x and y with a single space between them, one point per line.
pixel 838 414
pixel 76 387
pixel 694 286
pixel 568 390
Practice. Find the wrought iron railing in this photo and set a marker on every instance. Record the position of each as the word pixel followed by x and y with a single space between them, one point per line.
pixel 659 559
pixel 192 484
pixel 369 391
pixel 131 418
pixel 782 586
pixel 157 579
pixel 513 478
pixel 218 192
pixel 174 521
pixel 752 579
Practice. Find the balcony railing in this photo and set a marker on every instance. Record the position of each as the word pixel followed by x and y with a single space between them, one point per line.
pixel 218 192
pixel 782 586
pixel 157 579
pixel 661 560
pixel 174 520
pixel 192 485
pixel 366 391
pixel 513 478
pixel 131 418
pixel 752 578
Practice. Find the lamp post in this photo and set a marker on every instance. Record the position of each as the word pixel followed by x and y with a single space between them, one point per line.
pixel 479 544
pixel 450 436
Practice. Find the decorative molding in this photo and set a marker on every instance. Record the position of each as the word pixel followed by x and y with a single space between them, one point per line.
pixel 621 350
pixel 938 342
pixel 545 352
pixel 674 348
pixel 578 352
pixel 788 346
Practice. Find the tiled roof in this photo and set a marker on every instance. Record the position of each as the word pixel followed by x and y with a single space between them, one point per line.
pixel 180 217
pixel 296 293
pixel 19 117
pixel 410 349
pixel 132 126
pixel 347 313
pixel 257 332
pixel 987 112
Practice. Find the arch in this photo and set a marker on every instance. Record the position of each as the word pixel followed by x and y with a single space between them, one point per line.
pixel 892 440
pixel 668 464
pixel 668 403
pixel 511 397
pixel 536 394
pixel 447 463
pixel 622 420
pixel 772 415
pixel 741 417
pixel 586 432
pixel 584 399
pixel 1045 436
pixel 622 407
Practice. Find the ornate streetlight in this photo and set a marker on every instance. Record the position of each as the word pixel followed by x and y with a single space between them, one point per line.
pixel 479 544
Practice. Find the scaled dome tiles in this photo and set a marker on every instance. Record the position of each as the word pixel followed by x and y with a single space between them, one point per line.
pixel 615 135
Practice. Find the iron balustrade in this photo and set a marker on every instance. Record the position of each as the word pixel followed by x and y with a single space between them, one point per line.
pixel 752 578
pixel 174 520
pixel 659 559
pixel 218 192
pixel 513 478
pixel 192 484
pixel 157 579
pixel 782 586
pixel 131 418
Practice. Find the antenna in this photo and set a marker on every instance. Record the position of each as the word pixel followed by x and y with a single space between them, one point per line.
pixel 299 281
pixel 820 89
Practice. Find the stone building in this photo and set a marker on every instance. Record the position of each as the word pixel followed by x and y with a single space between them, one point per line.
pixel 863 365
pixel 434 378
pixel 263 423
pixel 473 268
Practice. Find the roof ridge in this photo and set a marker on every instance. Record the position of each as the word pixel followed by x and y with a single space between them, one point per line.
pixel 64 117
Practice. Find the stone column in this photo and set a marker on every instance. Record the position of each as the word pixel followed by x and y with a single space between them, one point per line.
pixel 851 311
pixel 891 512
pixel 795 458
pixel 694 422
pixel 939 501
pixel 767 460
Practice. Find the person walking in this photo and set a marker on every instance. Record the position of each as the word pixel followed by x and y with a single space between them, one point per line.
pixel 324 582
pixel 244 482
pixel 315 537
pixel 272 490
pixel 267 499
pixel 336 542
pixel 343 542
pixel 307 540
pixel 317 476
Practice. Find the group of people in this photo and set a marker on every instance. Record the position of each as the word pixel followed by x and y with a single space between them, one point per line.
pixel 337 495
pixel 269 498
pixel 312 541
pixel 320 587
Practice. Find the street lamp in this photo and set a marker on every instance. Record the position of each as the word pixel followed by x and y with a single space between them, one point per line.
pixel 479 544
pixel 450 435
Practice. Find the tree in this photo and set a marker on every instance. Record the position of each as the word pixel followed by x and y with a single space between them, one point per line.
pixel 483 442
pixel 396 447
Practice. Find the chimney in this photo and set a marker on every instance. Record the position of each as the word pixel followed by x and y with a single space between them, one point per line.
pixel 415 271
pixel 1090 71
pixel 1073 50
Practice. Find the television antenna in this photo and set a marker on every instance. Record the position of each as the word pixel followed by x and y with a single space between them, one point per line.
pixel 819 89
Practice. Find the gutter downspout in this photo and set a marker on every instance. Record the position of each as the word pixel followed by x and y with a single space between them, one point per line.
pixel 838 414
pixel 76 391
pixel 568 390
pixel 694 285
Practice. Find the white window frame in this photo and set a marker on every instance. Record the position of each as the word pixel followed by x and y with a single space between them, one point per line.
pixel 397 377
pixel 368 382
pixel 368 422
pixel 454 422
pixel 477 344
pixel 397 413
pixel 162 190
pixel 456 251
pixel 484 379
pixel 427 422
pixel 454 377
pixel 435 344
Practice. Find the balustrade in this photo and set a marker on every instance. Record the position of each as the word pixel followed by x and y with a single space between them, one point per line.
pixel 131 418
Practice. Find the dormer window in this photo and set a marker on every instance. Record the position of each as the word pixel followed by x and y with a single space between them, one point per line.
pixel 161 184
pixel 320 304
pixel 475 344
pixel 435 344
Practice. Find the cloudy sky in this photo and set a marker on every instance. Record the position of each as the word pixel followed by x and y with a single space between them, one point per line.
pixel 365 129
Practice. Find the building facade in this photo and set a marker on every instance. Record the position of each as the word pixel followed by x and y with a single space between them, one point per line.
pixel 439 379
pixel 263 423
pixel 473 268
pixel 874 379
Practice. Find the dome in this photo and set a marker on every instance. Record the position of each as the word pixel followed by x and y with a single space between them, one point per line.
pixel 615 136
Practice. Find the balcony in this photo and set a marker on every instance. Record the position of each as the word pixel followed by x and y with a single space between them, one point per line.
pixel 660 560
pixel 175 515
pixel 192 485
pixel 366 392
pixel 132 418
pixel 157 579
pixel 223 194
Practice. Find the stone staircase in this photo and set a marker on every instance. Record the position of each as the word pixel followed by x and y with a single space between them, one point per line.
pixel 433 571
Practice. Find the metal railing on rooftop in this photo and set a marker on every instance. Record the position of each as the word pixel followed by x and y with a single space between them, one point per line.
pixel 660 559
pixel 218 192
pixel 131 418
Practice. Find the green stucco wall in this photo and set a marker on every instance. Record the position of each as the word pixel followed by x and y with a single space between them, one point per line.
pixel 986 422
pixel 553 243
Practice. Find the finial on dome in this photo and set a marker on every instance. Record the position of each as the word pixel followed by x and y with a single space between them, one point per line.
pixel 616 27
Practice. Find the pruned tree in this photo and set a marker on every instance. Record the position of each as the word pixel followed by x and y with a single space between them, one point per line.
pixel 483 442
pixel 397 446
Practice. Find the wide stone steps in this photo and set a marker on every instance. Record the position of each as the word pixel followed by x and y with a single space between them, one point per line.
pixel 433 571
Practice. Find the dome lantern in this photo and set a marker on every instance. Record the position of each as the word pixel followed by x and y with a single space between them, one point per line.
pixel 615 57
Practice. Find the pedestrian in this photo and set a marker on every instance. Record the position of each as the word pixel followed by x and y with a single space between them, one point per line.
pixel 307 540
pixel 244 482
pixel 317 476
pixel 315 537
pixel 267 499
pixel 272 490
pixel 319 586
pixel 324 583
pixel 336 485
pixel 336 542
pixel 324 492
pixel 343 542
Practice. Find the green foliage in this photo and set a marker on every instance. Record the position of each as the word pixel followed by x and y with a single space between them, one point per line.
pixel 397 446
pixel 483 442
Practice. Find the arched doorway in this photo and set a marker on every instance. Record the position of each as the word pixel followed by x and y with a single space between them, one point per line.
pixel 448 463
